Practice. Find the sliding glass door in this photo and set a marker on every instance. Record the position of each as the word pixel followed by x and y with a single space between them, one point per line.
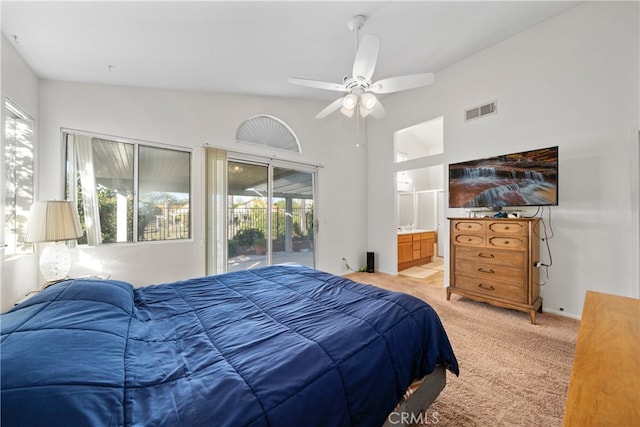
pixel 247 201
pixel 292 217
pixel 270 215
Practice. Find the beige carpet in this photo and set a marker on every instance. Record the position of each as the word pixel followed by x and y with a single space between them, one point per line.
pixel 512 373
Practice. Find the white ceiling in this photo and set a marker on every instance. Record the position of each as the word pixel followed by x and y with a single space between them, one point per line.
pixel 252 47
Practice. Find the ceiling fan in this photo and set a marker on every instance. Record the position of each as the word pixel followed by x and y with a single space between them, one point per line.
pixel 358 86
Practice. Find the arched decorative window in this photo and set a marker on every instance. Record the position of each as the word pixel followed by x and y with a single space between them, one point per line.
pixel 268 131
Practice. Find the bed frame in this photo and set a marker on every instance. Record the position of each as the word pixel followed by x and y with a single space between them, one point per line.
pixel 412 409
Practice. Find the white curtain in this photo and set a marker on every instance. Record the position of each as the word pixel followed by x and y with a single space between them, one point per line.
pixel 84 163
pixel 216 210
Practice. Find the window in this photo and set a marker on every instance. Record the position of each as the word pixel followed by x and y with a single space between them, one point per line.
pixel 128 191
pixel 421 140
pixel 268 131
pixel 18 150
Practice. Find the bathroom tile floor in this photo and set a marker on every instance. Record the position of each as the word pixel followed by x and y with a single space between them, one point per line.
pixel 425 270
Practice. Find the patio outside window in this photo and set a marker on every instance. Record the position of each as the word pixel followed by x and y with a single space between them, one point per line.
pixel 128 191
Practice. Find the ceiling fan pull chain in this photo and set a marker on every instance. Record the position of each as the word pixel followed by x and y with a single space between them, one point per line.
pixel 357 128
pixel 361 136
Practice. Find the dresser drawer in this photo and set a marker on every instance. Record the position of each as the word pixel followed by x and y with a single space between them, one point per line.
pixel 508 227
pixel 469 239
pixel 469 226
pixel 490 256
pixel 491 288
pixel 519 243
pixel 489 271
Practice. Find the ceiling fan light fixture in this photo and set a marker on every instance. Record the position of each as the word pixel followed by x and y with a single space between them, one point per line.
pixel 350 101
pixel 368 101
pixel 365 112
pixel 347 111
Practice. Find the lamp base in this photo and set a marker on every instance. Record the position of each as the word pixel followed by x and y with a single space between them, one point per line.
pixel 55 262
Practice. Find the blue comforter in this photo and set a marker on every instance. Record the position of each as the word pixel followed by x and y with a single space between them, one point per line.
pixel 275 346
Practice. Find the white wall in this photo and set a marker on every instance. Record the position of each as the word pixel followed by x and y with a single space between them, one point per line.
pixel 572 81
pixel 21 85
pixel 189 119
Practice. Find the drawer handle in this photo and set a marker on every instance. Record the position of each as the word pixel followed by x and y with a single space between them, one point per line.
pixel 482 270
pixel 481 255
pixel 506 228
pixel 488 288
pixel 506 242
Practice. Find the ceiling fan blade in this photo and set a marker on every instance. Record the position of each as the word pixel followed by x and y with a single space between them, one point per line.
pixel 366 57
pixel 396 84
pixel 318 84
pixel 334 106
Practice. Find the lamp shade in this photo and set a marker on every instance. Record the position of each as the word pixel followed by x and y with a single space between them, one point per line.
pixel 53 221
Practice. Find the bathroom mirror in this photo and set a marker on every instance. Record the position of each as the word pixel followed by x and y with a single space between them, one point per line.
pixel 406 215
pixel 417 192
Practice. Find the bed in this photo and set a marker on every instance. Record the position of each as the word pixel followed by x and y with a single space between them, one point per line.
pixel 275 346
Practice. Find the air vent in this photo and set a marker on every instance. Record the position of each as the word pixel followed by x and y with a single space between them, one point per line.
pixel 481 111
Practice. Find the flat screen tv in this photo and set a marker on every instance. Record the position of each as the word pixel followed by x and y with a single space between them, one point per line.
pixel 529 178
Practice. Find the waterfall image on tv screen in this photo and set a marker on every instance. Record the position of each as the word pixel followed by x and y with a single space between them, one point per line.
pixel 529 178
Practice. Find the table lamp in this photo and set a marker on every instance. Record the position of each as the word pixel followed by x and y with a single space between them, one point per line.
pixel 53 221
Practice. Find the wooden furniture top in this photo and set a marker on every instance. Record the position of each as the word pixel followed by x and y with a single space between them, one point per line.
pixel 605 380
pixel 490 218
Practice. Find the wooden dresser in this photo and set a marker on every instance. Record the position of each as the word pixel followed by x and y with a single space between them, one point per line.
pixel 604 389
pixel 492 260
pixel 415 248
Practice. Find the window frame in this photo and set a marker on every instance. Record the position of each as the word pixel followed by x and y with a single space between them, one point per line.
pixel 135 194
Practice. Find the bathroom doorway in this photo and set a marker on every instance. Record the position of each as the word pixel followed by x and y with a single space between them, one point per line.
pixel 420 197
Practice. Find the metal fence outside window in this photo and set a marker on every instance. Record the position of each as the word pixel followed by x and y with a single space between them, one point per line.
pixel 256 218
pixel 172 224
